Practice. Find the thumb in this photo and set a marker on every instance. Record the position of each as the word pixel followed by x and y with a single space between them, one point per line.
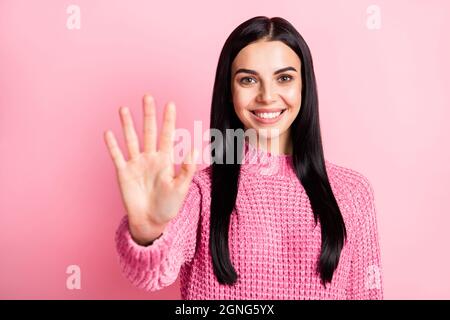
pixel 187 169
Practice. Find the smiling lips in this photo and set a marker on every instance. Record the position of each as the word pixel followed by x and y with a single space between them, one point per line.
pixel 268 115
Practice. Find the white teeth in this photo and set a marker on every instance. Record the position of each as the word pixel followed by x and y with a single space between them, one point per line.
pixel 269 115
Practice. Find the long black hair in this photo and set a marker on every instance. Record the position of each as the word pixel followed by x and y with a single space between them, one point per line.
pixel 308 158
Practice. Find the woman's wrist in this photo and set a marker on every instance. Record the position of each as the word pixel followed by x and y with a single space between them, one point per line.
pixel 146 234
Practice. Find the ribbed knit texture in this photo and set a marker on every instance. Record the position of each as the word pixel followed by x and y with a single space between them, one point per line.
pixel 273 240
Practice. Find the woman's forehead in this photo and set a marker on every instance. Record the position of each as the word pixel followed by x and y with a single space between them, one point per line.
pixel 266 56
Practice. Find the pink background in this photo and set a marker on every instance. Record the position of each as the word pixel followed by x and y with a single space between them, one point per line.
pixel 384 107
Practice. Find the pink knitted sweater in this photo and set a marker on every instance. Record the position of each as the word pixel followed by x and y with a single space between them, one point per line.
pixel 274 244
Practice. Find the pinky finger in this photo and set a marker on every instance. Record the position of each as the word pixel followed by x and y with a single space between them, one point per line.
pixel 114 150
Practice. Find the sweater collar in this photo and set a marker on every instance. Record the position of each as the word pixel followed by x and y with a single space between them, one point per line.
pixel 257 160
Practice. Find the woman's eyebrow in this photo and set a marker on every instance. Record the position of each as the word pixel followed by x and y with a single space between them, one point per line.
pixel 256 73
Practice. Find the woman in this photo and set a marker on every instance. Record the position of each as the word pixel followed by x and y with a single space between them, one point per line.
pixel 278 221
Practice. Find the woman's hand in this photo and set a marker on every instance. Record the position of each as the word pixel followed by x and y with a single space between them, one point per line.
pixel 151 192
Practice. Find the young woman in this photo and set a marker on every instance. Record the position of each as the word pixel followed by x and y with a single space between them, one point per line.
pixel 290 225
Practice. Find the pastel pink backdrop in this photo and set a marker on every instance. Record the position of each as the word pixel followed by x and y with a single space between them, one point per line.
pixel 384 106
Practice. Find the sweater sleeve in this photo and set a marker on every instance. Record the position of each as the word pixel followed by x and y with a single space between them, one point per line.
pixel 365 282
pixel 157 265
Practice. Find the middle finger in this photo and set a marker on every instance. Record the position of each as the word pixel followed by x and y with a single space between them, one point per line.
pixel 150 128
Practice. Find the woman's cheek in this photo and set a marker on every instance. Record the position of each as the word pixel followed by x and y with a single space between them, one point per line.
pixel 293 96
pixel 241 100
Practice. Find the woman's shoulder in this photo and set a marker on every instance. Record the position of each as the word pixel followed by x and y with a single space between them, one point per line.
pixel 345 181
pixel 348 180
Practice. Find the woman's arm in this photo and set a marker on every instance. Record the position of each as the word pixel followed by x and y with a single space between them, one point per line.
pixel 365 281
pixel 157 265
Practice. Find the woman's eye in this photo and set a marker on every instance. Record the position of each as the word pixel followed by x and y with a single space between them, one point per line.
pixel 284 77
pixel 248 80
pixel 243 80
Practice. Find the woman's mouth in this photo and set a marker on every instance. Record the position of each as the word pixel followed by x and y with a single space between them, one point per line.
pixel 268 117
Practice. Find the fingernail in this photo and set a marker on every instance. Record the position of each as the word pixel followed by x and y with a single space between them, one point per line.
pixel 148 99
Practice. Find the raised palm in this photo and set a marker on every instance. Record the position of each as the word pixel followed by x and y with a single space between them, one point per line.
pixel 151 190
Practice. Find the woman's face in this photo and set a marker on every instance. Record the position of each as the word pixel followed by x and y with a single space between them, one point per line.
pixel 266 80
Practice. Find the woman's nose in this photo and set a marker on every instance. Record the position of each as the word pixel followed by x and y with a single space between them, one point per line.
pixel 267 94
